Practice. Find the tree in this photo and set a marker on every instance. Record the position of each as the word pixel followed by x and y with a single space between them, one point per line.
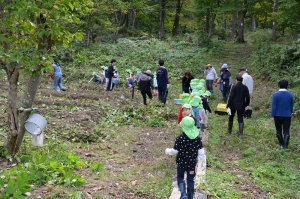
pixel 162 19
pixel 30 32
pixel 179 4
pixel 274 28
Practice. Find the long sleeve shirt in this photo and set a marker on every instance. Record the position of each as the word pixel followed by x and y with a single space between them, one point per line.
pixel 282 104
pixel 162 76
pixel 211 74
pixel 248 81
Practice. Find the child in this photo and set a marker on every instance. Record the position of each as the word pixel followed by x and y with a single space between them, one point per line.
pixel 115 79
pixel 130 78
pixel 185 99
pixel 138 75
pixel 188 145
pixel 195 103
pixel 202 114
pixel 97 79
pixel 206 106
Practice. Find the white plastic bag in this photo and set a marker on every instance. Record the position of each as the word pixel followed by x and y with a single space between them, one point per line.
pixel 229 111
pixel 171 151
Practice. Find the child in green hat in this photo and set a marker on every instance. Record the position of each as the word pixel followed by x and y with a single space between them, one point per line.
pixel 195 103
pixel 97 79
pixel 187 146
pixel 201 113
pixel 185 99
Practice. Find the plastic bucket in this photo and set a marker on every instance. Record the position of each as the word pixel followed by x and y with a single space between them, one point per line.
pixel 35 124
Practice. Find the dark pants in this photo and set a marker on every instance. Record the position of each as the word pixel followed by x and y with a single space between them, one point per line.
pixel 282 125
pixel 225 93
pixel 190 175
pixel 162 93
pixel 240 115
pixel 209 85
pixel 109 84
pixel 144 96
pixel 186 89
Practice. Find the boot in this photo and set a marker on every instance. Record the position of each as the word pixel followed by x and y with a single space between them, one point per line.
pixel 230 123
pixel 286 139
pixel 182 191
pixel 190 193
pixel 280 139
pixel 241 129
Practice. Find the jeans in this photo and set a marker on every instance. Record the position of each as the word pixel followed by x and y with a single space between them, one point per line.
pixel 225 93
pixel 144 96
pixel 209 85
pixel 282 125
pixel 57 82
pixel 109 84
pixel 190 175
pixel 197 116
pixel 240 115
pixel 162 93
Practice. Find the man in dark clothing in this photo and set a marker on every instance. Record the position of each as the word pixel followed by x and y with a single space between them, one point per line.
pixel 162 81
pixel 145 85
pixel 238 99
pixel 110 74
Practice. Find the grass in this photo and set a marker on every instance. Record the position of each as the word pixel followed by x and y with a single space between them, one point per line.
pixel 121 142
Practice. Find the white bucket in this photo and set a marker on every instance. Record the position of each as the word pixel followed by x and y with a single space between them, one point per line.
pixel 35 124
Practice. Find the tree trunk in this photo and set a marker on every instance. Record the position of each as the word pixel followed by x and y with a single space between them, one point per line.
pixel 177 16
pixel 274 28
pixel 241 19
pixel 233 25
pixel 162 19
pixel 253 23
pixel 207 21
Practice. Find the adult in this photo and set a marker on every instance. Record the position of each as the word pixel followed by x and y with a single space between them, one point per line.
pixel 247 80
pixel 110 74
pixel 162 81
pixel 145 86
pixel 281 113
pixel 211 75
pixel 237 101
pixel 57 76
pixel 225 80
pixel 186 80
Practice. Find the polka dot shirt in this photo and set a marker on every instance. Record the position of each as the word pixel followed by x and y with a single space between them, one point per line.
pixel 187 151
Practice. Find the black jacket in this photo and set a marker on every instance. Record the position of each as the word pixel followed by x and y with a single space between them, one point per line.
pixel 239 97
pixel 110 71
pixel 186 82
pixel 145 84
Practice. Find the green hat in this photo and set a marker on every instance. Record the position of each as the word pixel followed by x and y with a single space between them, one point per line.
pixel 128 71
pixel 103 67
pixel 202 81
pixel 187 106
pixel 207 93
pixel 199 87
pixel 201 93
pixel 138 70
pixel 185 98
pixel 195 93
pixel 195 101
pixel 94 73
pixel 188 125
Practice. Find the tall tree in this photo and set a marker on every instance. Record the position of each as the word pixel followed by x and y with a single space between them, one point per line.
pixel 162 19
pixel 30 31
pixel 274 28
pixel 179 4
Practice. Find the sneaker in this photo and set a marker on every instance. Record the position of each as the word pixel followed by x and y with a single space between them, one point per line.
pixel 63 89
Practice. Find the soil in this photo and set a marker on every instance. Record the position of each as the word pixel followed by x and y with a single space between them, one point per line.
pixel 144 151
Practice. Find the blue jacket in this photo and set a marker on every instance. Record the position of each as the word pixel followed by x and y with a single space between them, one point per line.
pixel 57 70
pixel 162 77
pixel 282 104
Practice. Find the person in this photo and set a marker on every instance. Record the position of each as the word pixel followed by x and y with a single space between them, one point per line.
pixel 247 81
pixel 238 100
pixel 145 86
pixel 138 75
pixel 226 84
pixel 162 81
pixel 110 74
pixel 187 144
pixel 185 99
pixel 211 75
pixel 57 76
pixel 115 79
pixel 195 103
pixel 97 79
pixel 281 113
pixel 130 78
pixel 206 107
pixel 186 80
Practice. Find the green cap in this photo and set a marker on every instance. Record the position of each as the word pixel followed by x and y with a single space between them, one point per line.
pixel 207 93
pixel 185 98
pixel 202 81
pixel 138 70
pixel 195 101
pixel 187 106
pixel 201 93
pixel 103 67
pixel 195 93
pixel 94 73
pixel 188 125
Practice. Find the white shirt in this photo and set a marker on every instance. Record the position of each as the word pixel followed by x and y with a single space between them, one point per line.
pixel 248 81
